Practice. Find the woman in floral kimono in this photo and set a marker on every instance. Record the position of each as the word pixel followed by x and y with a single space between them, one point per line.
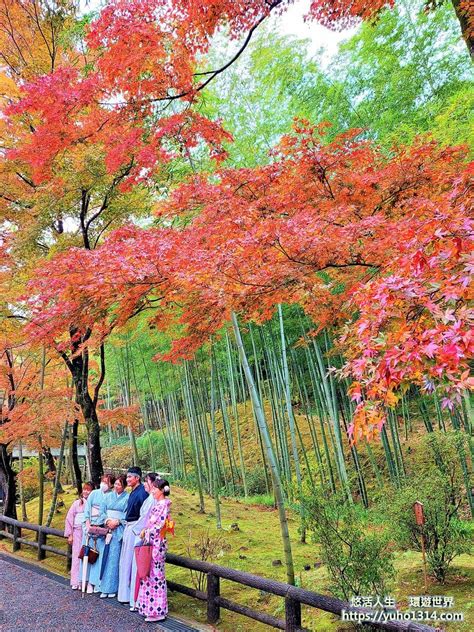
pixel 115 508
pixel 137 529
pixel 95 515
pixel 73 532
pixel 153 597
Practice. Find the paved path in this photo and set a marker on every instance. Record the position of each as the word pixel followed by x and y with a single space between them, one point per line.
pixel 33 599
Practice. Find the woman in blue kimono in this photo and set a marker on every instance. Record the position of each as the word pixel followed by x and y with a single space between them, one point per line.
pixel 94 515
pixel 115 507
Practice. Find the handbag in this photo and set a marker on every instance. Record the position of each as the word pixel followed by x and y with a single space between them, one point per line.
pixel 92 556
pixel 97 531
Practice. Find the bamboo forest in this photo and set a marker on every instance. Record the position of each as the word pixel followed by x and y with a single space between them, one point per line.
pixel 236 258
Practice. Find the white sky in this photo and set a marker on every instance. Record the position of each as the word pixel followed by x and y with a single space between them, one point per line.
pixel 293 23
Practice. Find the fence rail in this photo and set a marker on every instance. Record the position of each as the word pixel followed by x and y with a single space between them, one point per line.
pixel 294 597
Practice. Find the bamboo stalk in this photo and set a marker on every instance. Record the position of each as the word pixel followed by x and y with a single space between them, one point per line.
pixel 291 418
pixel 214 443
pixel 277 487
pixel 235 413
pixel 189 405
pixel 57 478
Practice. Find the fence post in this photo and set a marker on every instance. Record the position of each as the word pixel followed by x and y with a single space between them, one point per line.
pixel 16 535
pixel 292 615
pixel 41 542
pixel 3 526
pixel 213 591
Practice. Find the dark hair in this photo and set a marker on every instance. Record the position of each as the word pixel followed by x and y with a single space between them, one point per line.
pixel 123 479
pixel 135 470
pixel 161 483
pixel 152 476
pixel 111 478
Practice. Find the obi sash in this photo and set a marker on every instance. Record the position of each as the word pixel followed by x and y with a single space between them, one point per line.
pixel 79 519
pixel 95 511
pixel 115 514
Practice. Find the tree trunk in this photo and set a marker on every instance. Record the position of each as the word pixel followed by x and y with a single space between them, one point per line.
pixel 93 432
pixel 463 11
pixel 291 418
pixel 79 367
pixel 41 484
pixel 7 475
pixel 49 461
pixel 74 457
pixel 133 445
pixel 215 472
pixel 7 482
pixel 24 515
pixel 93 442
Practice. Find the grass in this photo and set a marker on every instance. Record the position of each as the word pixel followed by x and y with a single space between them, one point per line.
pixel 253 548
pixel 262 500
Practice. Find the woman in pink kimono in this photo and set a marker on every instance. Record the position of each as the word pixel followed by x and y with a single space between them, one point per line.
pixel 153 598
pixel 73 531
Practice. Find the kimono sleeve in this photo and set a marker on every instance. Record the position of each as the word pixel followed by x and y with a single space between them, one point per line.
pixel 69 525
pixel 123 508
pixel 103 505
pixel 157 519
pixel 88 507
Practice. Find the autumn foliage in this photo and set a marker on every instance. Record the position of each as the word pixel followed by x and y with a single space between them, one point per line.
pixel 36 402
pixel 124 416
pixel 375 246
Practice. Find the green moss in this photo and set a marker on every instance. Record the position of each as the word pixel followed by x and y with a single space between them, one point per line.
pixel 253 548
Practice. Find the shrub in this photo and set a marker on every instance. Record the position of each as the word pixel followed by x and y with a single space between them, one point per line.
pixel 208 549
pixel 359 561
pixel 438 484
pixel 256 482
pixel 117 457
pixel 159 449
pixel 30 482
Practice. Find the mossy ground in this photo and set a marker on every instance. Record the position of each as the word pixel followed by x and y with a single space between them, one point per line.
pixel 253 548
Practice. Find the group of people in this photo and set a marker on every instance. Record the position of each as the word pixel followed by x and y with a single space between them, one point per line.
pixel 129 519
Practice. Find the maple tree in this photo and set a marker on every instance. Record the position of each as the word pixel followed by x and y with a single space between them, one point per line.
pixel 75 153
pixel 344 230
pixel 11 339
pixel 123 416
pixel 338 228
pixel 32 412
pixel 91 121
pixel 33 408
pixel 415 324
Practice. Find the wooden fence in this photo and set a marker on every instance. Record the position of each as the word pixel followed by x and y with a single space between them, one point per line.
pixel 294 597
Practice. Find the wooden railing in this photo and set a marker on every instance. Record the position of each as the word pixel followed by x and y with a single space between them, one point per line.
pixel 294 597
pixel 40 544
